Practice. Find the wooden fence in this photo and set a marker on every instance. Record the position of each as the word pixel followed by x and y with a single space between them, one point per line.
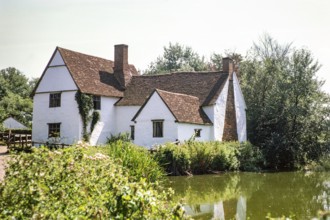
pixel 16 140
pixel 22 141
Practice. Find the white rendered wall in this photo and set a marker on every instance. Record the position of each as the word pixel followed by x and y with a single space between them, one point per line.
pixel 124 115
pixel 57 60
pixel 67 115
pixel 155 109
pixel 108 117
pixel 220 113
pixel 209 111
pixel 186 131
pixel 56 79
pixel 240 110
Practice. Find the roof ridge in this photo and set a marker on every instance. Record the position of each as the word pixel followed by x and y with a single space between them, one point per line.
pixel 176 93
pixel 72 51
pixel 184 72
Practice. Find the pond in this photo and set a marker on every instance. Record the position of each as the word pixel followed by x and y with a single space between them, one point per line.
pixel 253 195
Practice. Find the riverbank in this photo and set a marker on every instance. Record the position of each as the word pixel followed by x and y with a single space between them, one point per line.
pixel 3 157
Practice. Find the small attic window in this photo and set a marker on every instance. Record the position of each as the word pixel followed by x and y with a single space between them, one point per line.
pixel 157 128
pixel 198 132
pixel 55 100
pixel 97 102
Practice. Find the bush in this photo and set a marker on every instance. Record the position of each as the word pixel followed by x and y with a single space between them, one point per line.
pixel 136 160
pixel 201 156
pixel 125 137
pixel 323 165
pixel 250 157
pixel 174 159
pixel 207 157
pixel 225 156
pixel 78 183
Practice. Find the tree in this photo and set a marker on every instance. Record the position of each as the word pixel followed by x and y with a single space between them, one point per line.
pixel 177 58
pixel 15 93
pixel 286 109
pixel 215 63
pixel 14 81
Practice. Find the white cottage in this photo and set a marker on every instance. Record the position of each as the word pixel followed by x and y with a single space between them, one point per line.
pixel 153 109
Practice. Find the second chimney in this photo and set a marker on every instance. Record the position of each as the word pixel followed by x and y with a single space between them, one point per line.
pixel 121 68
pixel 228 66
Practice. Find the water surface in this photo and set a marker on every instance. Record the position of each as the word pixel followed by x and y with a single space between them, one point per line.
pixel 253 195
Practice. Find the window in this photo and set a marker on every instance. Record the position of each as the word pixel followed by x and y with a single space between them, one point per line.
pixel 54 100
pixel 132 132
pixel 54 130
pixel 157 128
pixel 198 132
pixel 97 102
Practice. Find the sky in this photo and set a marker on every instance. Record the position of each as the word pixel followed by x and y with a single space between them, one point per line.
pixel 30 30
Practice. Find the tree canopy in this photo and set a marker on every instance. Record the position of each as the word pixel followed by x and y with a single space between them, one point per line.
pixel 286 110
pixel 15 93
pixel 177 58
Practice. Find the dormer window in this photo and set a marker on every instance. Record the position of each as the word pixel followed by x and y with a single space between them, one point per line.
pixel 54 100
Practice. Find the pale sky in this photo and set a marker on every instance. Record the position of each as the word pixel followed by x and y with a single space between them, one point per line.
pixel 31 29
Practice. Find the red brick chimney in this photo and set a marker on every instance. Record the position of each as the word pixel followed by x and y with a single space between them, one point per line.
pixel 121 69
pixel 228 66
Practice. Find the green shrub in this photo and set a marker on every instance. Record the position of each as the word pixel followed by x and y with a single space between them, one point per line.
pixel 201 156
pixel 136 160
pixel 207 157
pixel 322 165
pixel 125 137
pixel 250 157
pixel 78 183
pixel 174 159
pixel 225 156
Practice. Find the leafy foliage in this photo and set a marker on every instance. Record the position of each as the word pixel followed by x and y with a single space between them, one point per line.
pixel 174 159
pixel 95 118
pixel 85 106
pixel 207 157
pixel 136 160
pixel 15 93
pixel 124 137
pixel 177 58
pixel 78 184
pixel 287 111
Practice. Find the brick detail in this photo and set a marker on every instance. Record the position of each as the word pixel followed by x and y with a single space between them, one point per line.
pixel 230 129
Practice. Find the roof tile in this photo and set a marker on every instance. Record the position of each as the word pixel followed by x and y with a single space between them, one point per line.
pixel 93 75
pixel 206 86
pixel 185 108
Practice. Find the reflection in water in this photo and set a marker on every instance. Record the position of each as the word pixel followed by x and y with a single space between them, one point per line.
pixel 219 213
pixel 324 198
pixel 250 195
pixel 241 208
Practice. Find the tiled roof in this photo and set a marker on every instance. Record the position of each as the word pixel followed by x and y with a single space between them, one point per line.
pixel 93 75
pixel 206 86
pixel 185 108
